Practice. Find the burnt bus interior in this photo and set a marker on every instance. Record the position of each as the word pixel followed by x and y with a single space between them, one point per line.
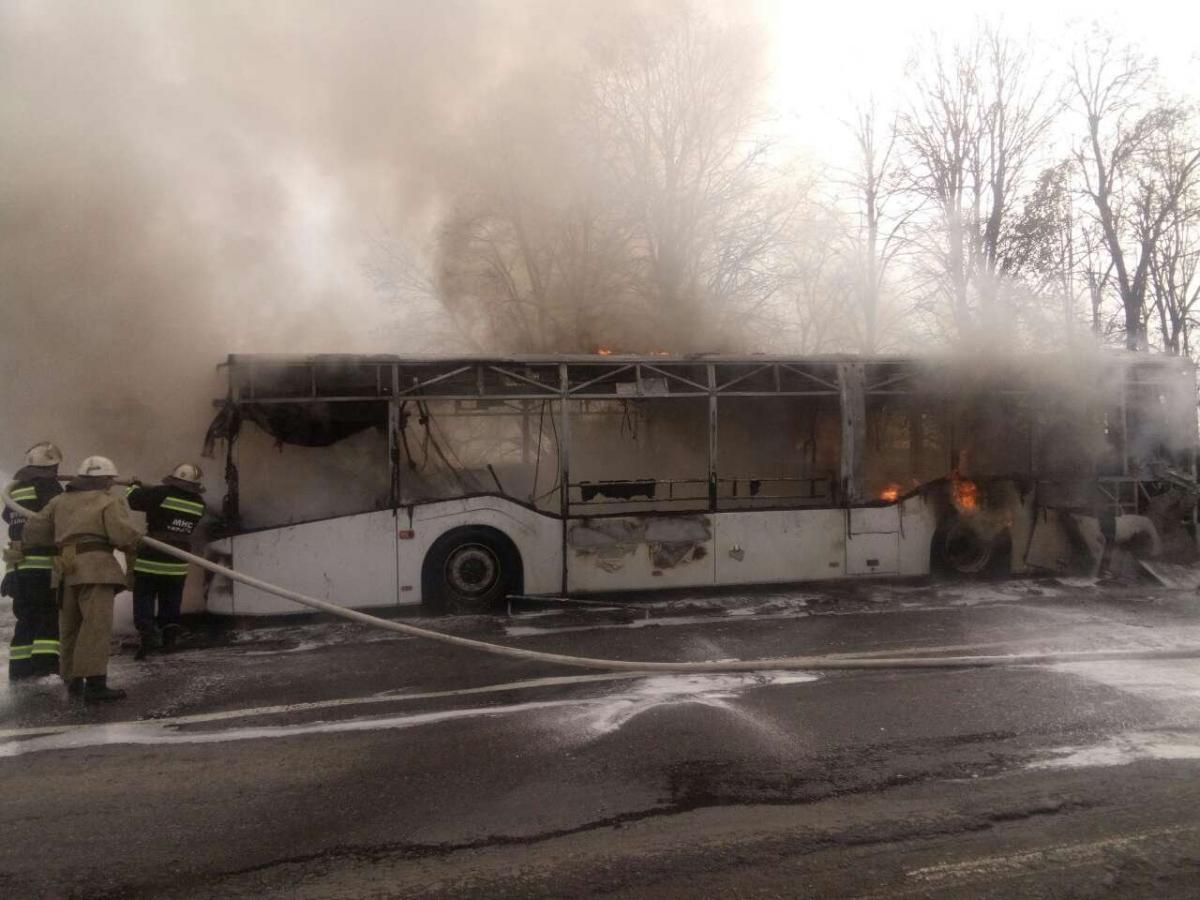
pixel 600 435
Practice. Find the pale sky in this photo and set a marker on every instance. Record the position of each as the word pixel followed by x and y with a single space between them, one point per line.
pixel 825 55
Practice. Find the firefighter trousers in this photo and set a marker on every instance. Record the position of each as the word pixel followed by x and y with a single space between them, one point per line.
pixel 34 648
pixel 85 623
pixel 166 591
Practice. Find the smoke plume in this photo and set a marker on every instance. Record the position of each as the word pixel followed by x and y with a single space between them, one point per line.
pixel 180 181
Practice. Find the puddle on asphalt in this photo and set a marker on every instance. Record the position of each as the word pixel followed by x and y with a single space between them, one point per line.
pixel 595 715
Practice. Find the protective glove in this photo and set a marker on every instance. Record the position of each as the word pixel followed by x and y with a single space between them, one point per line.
pixel 13 555
pixel 130 562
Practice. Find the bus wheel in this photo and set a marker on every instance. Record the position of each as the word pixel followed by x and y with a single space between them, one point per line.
pixel 958 549
pixel 470 570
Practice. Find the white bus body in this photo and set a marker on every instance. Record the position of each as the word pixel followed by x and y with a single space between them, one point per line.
pixel 885 470
pixel 374 559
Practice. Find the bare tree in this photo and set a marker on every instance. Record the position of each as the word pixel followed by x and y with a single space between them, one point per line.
pixel 816 303
pixel 634 206
pixel 1136 161
pixel 401 274
pixel 1175 279
pixel 1042 248
pixel 972 135
pixel 876 188
pixel 680 129
pixel 532 256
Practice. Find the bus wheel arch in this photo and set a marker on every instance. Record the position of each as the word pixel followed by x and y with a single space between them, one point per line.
pixel 471 569
pixel 959 549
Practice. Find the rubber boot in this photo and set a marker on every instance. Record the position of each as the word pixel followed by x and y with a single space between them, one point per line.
pixel 171 635
pixel 96 690
pixel 148 642
pixel 75 688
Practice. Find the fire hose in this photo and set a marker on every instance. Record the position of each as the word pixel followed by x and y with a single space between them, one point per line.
pixel 812 663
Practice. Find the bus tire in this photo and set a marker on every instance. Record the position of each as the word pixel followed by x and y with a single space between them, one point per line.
pixel 470 569
pixel 957 551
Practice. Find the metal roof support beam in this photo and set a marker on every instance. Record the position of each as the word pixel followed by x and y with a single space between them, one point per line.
pixel 421 385
pixel 567 389
pixel 712 437
pixel 854 430
pixel 809 375
pixel 545 388
pixel 564 458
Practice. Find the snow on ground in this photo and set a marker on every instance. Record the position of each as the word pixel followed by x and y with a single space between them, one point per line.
pixel 1122 749
pixel 1174 684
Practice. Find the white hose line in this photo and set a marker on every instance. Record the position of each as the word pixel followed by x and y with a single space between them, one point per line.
pixel 811 663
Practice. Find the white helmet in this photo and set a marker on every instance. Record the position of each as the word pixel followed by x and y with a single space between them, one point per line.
pixel 98 467
pixel 43 454
pixel 187 472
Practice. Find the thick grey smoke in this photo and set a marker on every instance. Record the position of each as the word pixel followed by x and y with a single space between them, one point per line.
pixel 179 181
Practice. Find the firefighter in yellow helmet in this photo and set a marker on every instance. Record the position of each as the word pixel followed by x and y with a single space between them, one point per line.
pixel 87 523
pixel 34 648
pixel 173 510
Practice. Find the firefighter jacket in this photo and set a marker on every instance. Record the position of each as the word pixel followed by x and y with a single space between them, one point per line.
pixel 87 525
pixel 34 488
pixel 172 514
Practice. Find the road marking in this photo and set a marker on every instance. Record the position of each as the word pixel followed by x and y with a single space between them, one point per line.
pixel 158 731
pixel 601 713
pixel 1063 856
pixel 388 697
pixel 1017 865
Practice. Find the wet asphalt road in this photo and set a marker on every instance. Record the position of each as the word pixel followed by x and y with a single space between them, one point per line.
pixel 321 760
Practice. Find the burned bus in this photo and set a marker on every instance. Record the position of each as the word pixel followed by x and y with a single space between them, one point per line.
pixel 378 481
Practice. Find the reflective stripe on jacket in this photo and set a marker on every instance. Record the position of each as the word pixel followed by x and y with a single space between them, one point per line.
pixel 45 647
pixel 143 566
pixel 33 494
pixel 172 515
pixel 32 562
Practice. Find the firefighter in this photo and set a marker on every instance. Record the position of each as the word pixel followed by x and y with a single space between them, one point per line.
pixel 34 649
pixel 173 510
pixel 87 523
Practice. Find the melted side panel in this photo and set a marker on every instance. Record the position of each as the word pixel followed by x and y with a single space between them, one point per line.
pixel 639 552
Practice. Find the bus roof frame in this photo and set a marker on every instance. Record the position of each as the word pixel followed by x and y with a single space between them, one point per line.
pixel 657 376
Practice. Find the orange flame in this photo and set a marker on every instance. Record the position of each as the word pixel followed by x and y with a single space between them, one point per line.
pixel 604 351
pixel 965 493
pixel 890 492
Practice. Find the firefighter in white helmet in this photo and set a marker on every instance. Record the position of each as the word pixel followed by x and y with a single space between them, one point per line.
pixel 34 649
pixel 173 510
pixel 87 523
